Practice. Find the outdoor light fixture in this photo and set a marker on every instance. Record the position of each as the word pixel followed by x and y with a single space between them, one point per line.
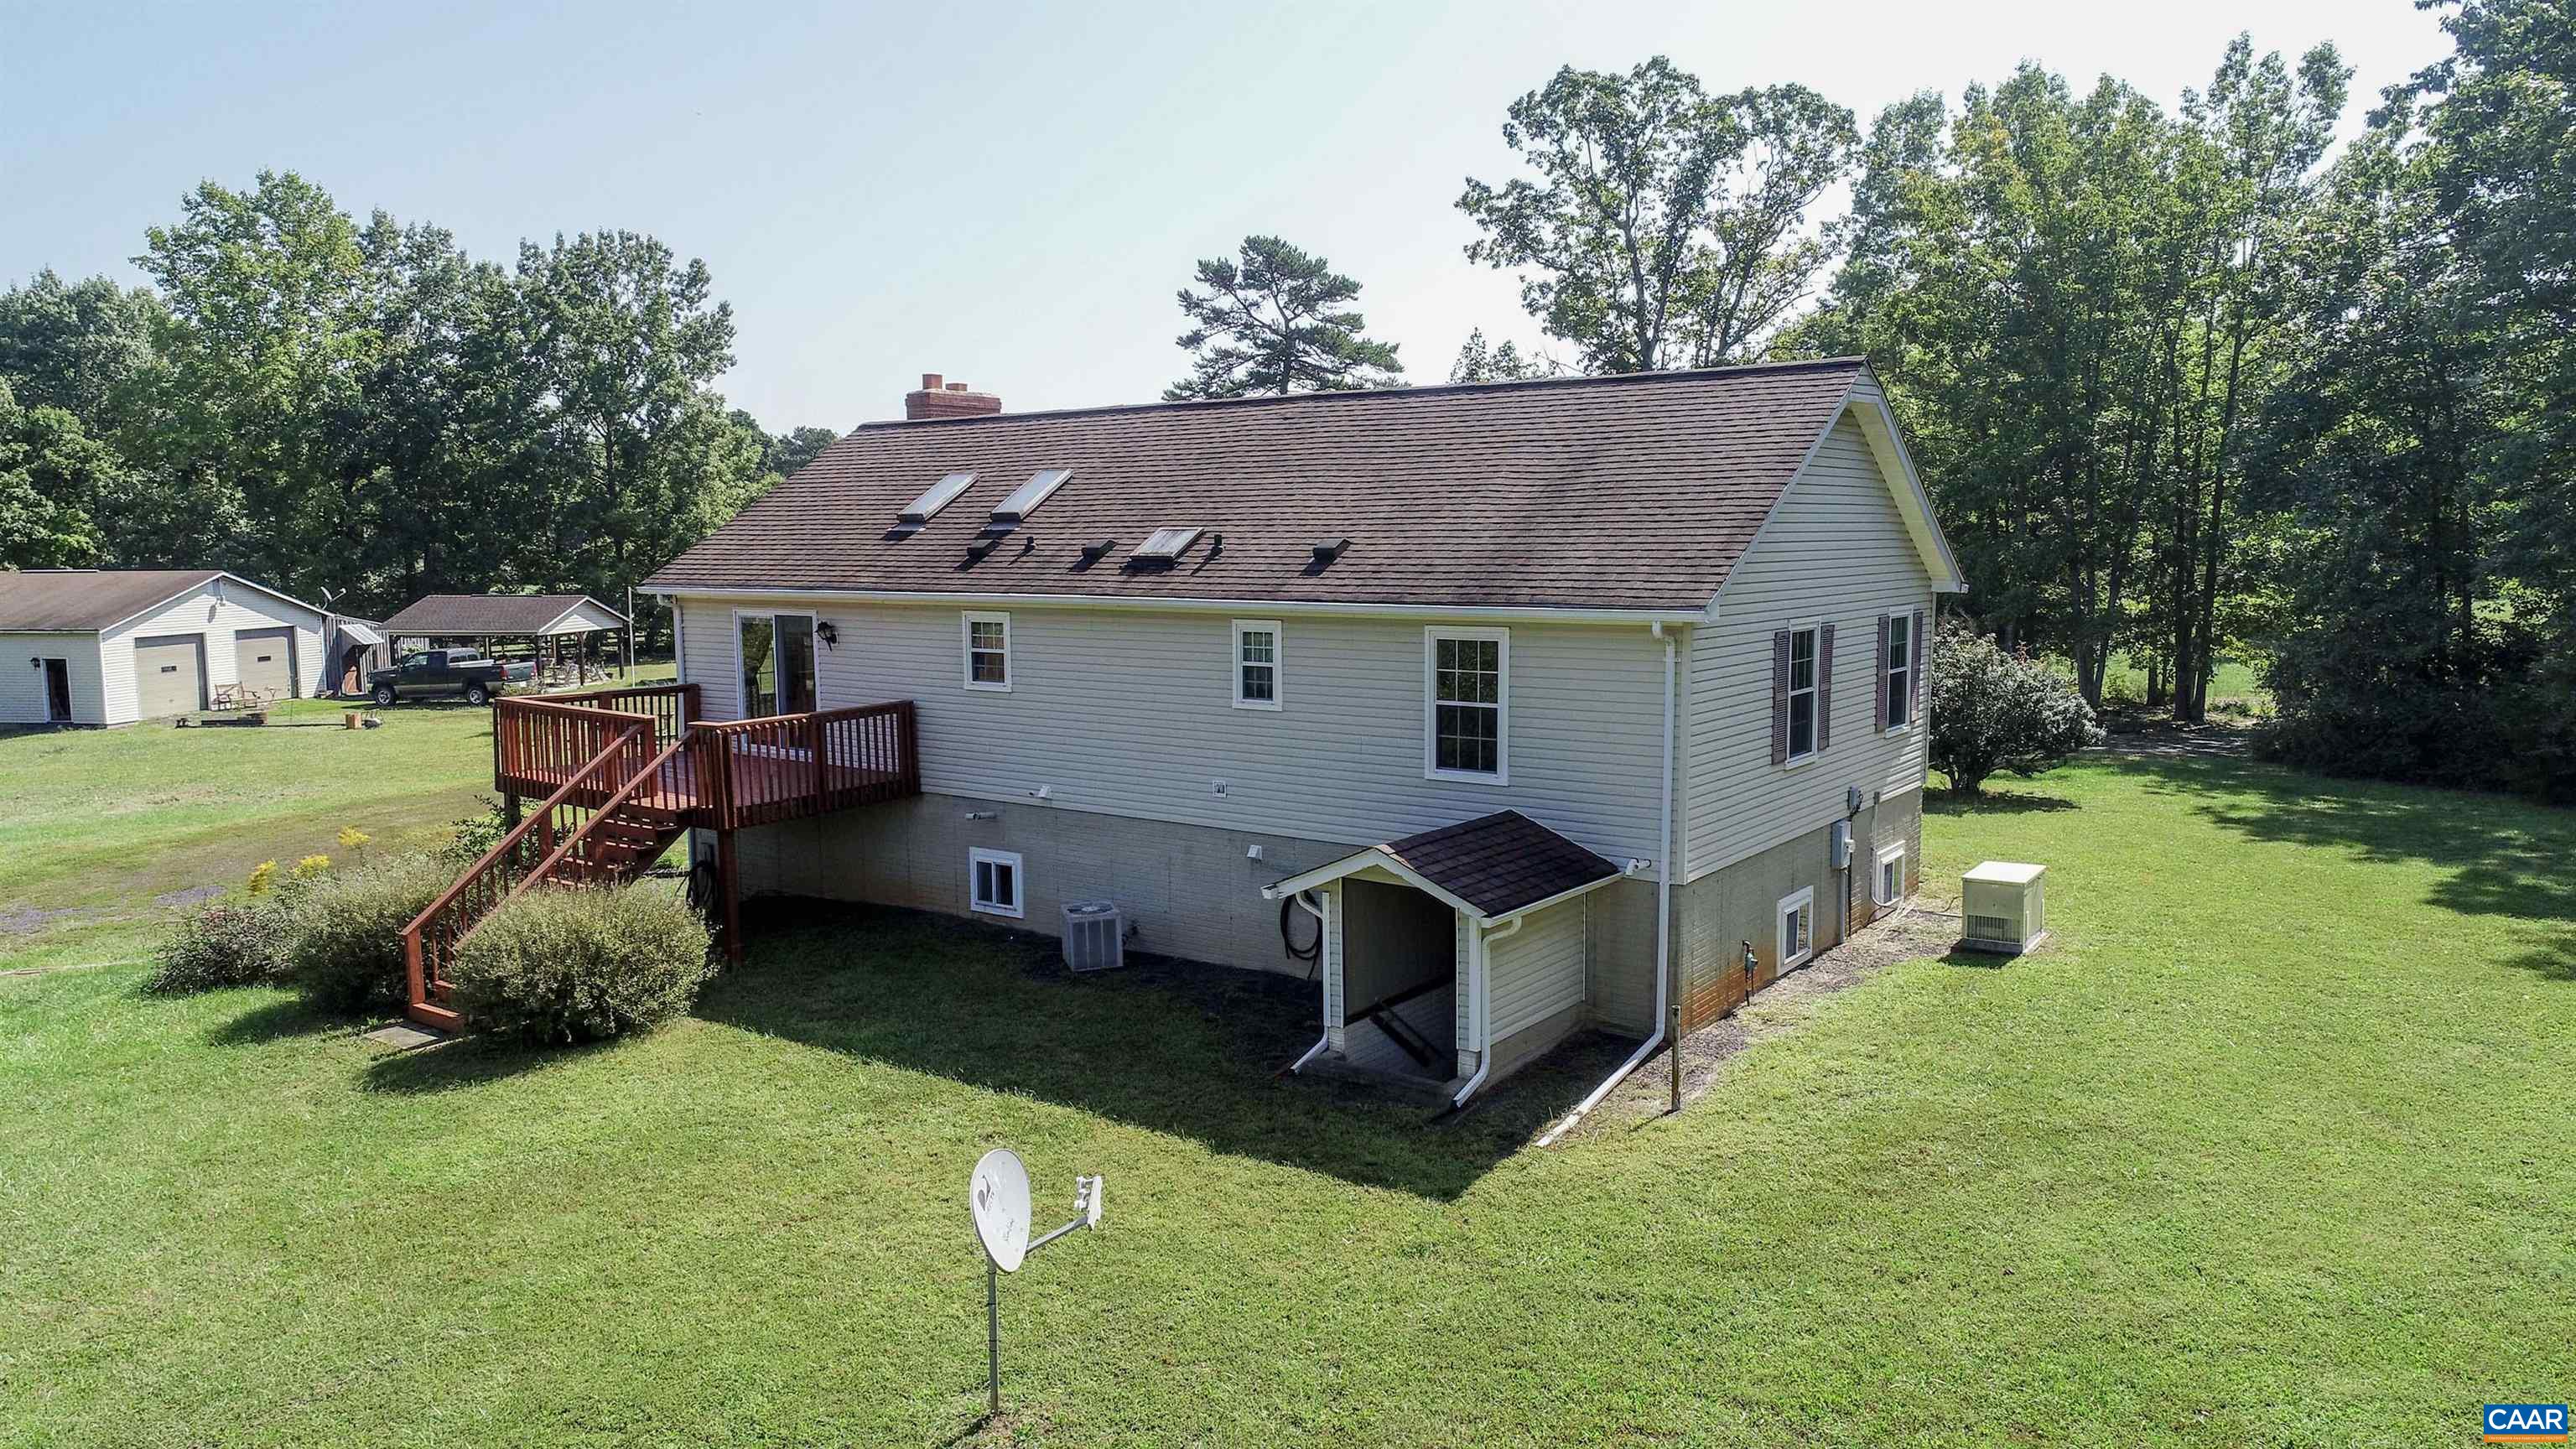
pixel 829 633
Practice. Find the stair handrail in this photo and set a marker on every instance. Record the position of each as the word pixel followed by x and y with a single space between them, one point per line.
pixel 491 859
pixel 651 770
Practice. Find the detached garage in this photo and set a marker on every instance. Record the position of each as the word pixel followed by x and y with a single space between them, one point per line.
pixel 112 646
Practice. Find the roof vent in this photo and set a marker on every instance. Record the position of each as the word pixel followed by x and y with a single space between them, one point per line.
pixel 1330 549
pixel 1165 545
pixel 1024 500
pixel 934 498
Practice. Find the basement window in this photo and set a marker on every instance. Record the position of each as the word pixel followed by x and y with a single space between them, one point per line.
pixel 988 651
pixel 1256 664
pixel 993 882
pixel 1797 917
pixel 1890 880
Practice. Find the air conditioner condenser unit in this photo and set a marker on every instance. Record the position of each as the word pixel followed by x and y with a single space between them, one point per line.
pixel 1094 936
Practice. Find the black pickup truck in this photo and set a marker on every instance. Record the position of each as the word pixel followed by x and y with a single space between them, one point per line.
pixel 445 671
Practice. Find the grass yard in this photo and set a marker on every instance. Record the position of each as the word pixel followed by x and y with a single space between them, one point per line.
pixel 108 832
pixel 2269 1148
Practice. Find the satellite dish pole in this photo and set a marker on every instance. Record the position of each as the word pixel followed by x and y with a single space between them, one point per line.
pixel 998 1196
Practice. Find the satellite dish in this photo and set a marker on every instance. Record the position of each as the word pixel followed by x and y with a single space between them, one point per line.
pixel 998 1194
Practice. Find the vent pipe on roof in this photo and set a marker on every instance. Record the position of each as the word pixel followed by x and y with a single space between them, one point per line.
pixel 937 397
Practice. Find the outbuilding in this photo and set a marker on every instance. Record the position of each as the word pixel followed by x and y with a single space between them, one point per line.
pixel 564 631
pixel 112 646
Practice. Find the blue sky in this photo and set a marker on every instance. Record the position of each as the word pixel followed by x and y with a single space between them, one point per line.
pixel 1003 194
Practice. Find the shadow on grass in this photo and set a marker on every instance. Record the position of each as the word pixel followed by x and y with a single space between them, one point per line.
pixel 1169 1046
pixel 468 1061
pixel 275 1021
pixel 2503 857
pixel 1958 803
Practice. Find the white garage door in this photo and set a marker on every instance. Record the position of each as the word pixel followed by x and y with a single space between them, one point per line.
pixel 168 674
pixel 265 661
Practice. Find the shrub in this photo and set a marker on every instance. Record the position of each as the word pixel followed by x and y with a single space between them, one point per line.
pixel 228 942
pixel 344 950
pixel 578 965
pixel 472 838
pixel 1996 711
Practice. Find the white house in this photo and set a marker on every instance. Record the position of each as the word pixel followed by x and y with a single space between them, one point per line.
pixel 1501 710
pixel 112 646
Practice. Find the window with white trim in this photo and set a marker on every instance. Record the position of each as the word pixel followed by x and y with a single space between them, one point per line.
pixel 1802 693
pixel 1890 881
pixel 1256 663
pixel 1466 704
pixel 1900 670
pixel 993 882
pixel 988 650
pixel 1797 917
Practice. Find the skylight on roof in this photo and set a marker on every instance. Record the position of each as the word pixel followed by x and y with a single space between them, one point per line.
pixel 1166 544
pixel 934 498
pixel 1025 499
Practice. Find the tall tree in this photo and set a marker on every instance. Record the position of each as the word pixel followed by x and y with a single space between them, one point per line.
pixel 625 342
pixel 1481 361
pixel 1666 228
pixel 264 343
pixel 787 454
pixel 53 479
pixel 1277 321
pixel 79 346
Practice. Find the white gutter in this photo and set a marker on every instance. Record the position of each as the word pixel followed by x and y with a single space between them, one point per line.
pixel 1523 612
pixel 1663 922
pixel 1480 1023
pixel 1323 949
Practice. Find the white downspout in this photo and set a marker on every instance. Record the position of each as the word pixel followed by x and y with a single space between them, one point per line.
pixel 1663 921
pixel 1324 946
pixel 1480 1023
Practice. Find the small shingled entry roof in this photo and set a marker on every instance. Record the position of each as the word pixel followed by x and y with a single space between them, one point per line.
pixel 456 616
pixel 1500 863
pixel 1492 865
pixel 77 601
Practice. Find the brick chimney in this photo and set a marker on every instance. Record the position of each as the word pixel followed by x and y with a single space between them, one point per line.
pixel 940 398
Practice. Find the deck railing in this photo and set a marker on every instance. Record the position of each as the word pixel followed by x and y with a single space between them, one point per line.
pixel 673 707
pixel 756 771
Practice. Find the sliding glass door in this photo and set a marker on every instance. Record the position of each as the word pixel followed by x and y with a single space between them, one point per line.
pixel 777 664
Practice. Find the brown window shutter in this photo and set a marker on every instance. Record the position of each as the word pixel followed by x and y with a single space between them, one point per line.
pixel 1914 664
pixel 1824 688
pixel 1780 698
pixel 1878 706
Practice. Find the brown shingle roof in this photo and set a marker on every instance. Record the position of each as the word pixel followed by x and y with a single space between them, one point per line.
pixel 80 600
pixel 1635 492
pixel 1501 862
pixel 459 615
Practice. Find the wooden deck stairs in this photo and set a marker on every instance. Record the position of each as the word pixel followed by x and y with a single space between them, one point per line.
pixel 619 775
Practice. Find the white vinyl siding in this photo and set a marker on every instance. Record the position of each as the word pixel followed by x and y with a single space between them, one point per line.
pixel 1835 551
pixel 215 610
pixel 1538 970
pixel 1130 712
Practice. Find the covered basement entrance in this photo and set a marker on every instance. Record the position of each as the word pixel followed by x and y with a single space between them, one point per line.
pixel 1452 955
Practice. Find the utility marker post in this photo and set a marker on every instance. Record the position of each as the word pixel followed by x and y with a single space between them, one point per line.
pixel 998 1196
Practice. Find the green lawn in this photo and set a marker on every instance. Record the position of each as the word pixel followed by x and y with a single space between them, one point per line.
pixel 106 832
pixel 2269 1148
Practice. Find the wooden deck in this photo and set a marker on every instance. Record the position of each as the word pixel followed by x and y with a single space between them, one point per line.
pixel 725 775
pixel 617 776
